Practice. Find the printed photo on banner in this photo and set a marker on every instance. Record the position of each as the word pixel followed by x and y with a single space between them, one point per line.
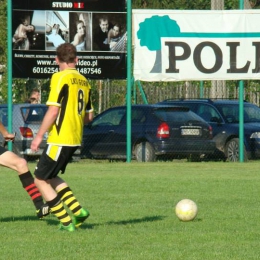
pixel 28 30
pixel 81 30
pixel 109 32
pixel 57 29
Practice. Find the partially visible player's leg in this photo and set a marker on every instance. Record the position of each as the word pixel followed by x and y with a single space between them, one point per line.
pixel 65 193
pixel 27 180
pixel 55 204
pixel 80 214
pixel 14 162
pixel 50 164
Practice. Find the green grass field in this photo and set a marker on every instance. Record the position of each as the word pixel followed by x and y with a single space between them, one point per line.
pixel 132 213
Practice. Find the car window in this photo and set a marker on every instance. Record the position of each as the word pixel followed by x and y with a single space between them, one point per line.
pixel 112 117
pixel 174 115
pixel 231 113
pixel 138 116
pixel 33 114
pixel 205 111
pixel 208 113
pixel 251 114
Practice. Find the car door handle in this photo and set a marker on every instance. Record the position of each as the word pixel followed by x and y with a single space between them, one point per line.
pixel 111 131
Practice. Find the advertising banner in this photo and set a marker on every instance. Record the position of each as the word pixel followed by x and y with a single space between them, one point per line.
pixel 196 45
pixel 96 27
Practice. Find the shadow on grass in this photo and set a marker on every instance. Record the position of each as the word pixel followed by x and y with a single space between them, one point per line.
pixel 51 220
pixel 17 218
pixel 135 221
pixel 124 222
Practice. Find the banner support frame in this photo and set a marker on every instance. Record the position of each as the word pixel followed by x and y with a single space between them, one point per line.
pixel 9 70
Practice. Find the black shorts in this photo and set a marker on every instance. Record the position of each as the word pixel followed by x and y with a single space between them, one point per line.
pixel 2 150
pixel 53 160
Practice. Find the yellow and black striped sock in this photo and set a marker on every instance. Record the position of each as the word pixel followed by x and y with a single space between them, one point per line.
pixel 69 199
pixel 59 211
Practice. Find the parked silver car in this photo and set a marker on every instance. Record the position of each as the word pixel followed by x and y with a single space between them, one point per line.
pixel 26 121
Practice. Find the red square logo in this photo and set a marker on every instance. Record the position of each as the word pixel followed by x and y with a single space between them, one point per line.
pixel 78 5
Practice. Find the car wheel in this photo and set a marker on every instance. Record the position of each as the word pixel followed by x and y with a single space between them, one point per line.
pixel 232 150
pixel 144 152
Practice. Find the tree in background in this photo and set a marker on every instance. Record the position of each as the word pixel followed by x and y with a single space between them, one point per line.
pixel 188 4
pixel 3 50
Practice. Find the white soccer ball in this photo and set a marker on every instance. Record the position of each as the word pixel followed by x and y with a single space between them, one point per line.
pixel 186 210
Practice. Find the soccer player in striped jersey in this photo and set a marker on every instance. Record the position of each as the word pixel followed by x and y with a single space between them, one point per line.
pixel 69 108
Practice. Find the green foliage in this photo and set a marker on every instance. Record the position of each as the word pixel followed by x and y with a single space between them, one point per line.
pixel 3 49
pixel 106 93
pixel 231 4
pixel 255 4
pixel 132 213
pixel 45 89
pixel 22 89
pixel 170 4
pixel 187 4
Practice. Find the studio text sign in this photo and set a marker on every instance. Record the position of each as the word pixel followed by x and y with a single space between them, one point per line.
pixel 97 28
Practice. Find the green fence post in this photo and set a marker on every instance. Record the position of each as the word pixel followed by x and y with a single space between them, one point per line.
pixel 9 69
pixel 129 79
pixel 241 109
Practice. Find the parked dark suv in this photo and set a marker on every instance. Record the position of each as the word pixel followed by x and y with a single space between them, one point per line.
pixel 223 116
pixel 157 131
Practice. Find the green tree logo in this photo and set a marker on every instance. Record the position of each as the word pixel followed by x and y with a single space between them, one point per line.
pixel 150 32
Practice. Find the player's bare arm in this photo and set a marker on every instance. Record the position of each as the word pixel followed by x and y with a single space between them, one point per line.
pixel 7 136
pixel 88 117
pixel 47 122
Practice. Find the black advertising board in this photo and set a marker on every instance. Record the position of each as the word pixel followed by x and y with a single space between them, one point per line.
pixel 40 26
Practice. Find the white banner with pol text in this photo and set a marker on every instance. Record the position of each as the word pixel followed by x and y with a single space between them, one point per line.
pixel 196 45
